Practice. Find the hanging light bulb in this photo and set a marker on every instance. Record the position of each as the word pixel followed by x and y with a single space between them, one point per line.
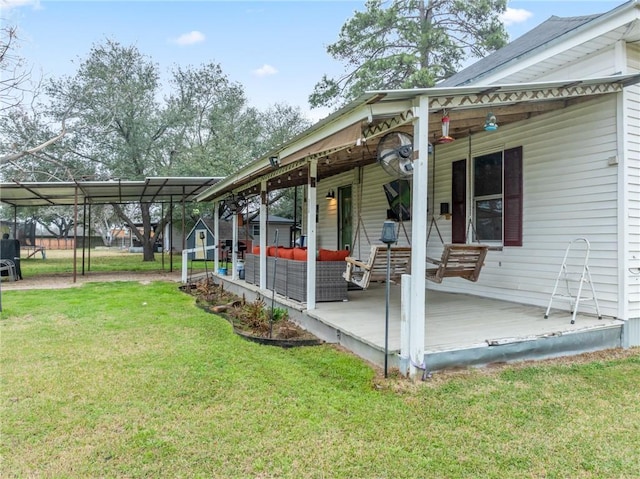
pixel 490 122
pixel 445 138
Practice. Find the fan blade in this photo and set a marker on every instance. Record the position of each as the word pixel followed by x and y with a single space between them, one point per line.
pixel 385 154
pixel 405 166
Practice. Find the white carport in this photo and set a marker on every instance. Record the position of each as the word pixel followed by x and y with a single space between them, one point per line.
pixel 164 190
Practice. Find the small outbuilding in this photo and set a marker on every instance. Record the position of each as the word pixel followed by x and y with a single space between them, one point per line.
pixel 201 236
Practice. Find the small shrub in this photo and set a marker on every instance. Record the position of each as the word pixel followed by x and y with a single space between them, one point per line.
pixel 255 316
pixel 252 317
pixel 279 314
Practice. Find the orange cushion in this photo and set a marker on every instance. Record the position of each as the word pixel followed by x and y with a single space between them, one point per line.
pixel 285 253
pixel 255 250
pixel 300 254
pixel 331 255
pixel 271 250
pixel 342 254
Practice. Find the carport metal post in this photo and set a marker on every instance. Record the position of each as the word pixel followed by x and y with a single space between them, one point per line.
pixel 75 234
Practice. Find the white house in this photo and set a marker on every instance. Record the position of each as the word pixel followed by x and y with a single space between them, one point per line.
pixel 563 163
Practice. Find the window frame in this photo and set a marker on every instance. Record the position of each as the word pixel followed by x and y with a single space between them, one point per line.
pixel 487 197
pixel 512 196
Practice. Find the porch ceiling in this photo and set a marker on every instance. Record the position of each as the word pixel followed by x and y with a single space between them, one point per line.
pixel 376 113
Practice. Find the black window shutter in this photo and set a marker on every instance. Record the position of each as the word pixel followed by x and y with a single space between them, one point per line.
pixel 459 201
pixel 513 197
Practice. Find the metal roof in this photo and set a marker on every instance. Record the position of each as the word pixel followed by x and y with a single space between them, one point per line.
pixel 150 190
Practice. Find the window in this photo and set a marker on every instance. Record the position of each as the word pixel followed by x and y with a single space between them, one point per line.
pixel 487 200
pixel 496 198
pixel 255 230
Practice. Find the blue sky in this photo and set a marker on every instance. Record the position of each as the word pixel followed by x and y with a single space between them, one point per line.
pixel 275 49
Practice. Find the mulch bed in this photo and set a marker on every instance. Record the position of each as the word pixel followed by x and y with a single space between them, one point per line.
pixel 252 320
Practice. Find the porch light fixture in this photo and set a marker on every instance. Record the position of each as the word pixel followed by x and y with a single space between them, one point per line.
pixel 330 195
pixel 490 123
pixel 388 237
pixel 445 138
pixel 274 161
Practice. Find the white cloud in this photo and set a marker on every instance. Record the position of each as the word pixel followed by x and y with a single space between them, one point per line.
pixel 189 38
pixel 9 4
pixel 265 71
pixel 515 15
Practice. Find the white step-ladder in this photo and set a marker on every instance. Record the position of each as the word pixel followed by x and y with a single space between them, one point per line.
pixel 574 272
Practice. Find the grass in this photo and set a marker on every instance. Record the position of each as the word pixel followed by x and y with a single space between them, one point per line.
pixel 130 380
pixel 103 261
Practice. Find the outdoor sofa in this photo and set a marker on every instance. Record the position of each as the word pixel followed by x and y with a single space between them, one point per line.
pixel 290 268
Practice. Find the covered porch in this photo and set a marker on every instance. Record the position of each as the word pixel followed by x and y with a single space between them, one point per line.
pixel 460 330
pixel 335 153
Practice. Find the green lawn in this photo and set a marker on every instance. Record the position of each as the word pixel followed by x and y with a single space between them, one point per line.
pixel 61 261
pixel 129 380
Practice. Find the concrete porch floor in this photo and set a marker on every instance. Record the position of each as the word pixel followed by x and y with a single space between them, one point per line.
pixel 460 330
pixel 464 329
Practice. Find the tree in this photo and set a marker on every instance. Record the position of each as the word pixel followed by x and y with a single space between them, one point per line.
pixel 120 127
pixel 219 131
pixel 15 84
pixel 53 157
pixel 56 220
pixel 279 123
pixel 12 73
pixel 409 44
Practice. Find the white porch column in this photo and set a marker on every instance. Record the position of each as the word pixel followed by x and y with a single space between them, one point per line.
pixel 405 318
pixel 216 236
pixel 419 234
pixel 311 233
pixel 263 235
pixel 234 246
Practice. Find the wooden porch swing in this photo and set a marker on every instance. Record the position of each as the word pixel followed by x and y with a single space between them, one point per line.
pixel 458 260
pixel 362 273
pixel 374 269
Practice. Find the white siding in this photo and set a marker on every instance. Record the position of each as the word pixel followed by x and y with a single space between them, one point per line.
pixel 570 191
pixel 632 114
pixel 372 204
pixel 327 231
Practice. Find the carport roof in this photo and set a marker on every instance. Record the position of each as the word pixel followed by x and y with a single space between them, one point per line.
pixel 149 190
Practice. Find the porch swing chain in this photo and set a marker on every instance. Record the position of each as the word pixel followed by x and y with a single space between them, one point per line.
pixel 403 227
pixel 471 225
pixel 356 235
pixel 433 202
pixel 473 229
